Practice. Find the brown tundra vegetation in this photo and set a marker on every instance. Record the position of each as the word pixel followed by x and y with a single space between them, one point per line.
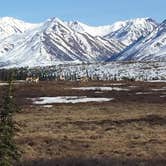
pixel 129 130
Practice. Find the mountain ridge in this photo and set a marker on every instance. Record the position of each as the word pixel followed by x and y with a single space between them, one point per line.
pixel 152 47
pixel 55 41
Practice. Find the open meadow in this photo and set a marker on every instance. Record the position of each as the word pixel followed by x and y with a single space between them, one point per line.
pixel 91 123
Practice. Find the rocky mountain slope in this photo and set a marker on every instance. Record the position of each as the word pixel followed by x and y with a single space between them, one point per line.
pixel 55 41
pixel 150 48
pixel 125 31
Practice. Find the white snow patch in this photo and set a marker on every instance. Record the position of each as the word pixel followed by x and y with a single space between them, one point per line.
pixel 161 89
pixel 68 99
pixel 98 92
pixel 3 83
pixel 156 81
pixel 115 84
pixel 163 96
pixel 47 106
pixel 144 93
pixel 101 88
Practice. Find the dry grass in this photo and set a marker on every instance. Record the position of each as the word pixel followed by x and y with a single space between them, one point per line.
pixel 74 131
pixel 128 131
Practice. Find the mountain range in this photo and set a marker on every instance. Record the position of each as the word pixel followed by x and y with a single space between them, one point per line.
pixel 55 41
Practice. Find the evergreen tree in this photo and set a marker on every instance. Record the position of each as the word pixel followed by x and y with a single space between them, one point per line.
pixel 9 153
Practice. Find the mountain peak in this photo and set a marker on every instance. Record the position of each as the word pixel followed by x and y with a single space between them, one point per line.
pixel 55 20
pixel 10 26
pixel 141 20
pixel 58 41
pixel 10 20
pixel 56 25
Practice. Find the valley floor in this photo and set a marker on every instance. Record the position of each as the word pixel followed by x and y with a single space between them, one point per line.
pixel 129 130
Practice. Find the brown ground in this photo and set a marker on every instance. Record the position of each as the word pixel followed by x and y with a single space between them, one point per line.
pixel 131 130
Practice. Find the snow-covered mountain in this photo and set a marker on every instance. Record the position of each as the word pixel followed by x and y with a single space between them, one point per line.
pixel 54 42
pixel 151 48
pixel 125 31
pixel 10 26
pixel 92 30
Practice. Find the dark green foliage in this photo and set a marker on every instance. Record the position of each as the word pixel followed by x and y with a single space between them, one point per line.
pixel 128 79
pixel 19 74
pixel 9 153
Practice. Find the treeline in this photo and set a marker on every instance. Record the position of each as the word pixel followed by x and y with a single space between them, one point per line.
pixel 117 72
pixel 71 73
pixel 19 74
pixel 44 73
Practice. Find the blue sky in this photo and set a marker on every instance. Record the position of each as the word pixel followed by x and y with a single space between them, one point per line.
pixel 93 12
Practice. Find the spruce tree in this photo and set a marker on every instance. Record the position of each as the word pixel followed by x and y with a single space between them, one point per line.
pixel 9 154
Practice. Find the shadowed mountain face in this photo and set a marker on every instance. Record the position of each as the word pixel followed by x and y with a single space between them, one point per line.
pixel 150 48
pixel 55 41
pixel 125 31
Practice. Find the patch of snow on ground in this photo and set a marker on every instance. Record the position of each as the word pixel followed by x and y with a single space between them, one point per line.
pixel 115 84
pixel 161 89
pixel 101 88
pixel 15 83
pixel 98 92
pixel 3 84
pixel 144 93
pixel 68 99
pixel 157 81
pixel 47 106
pixel 163 96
